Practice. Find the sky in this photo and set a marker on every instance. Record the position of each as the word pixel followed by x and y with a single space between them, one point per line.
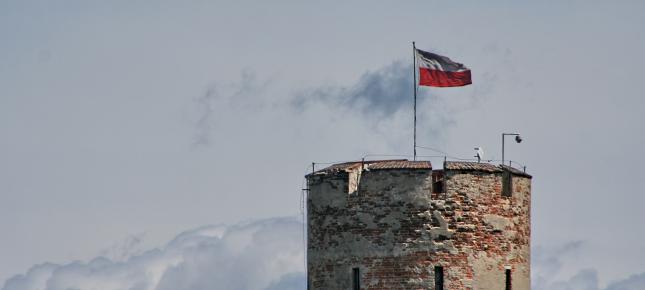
pixel 149 138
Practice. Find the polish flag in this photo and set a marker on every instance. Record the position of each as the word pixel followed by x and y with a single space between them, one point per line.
pixel 439 71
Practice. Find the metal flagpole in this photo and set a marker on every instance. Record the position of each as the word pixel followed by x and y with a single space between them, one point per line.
pixel 414 86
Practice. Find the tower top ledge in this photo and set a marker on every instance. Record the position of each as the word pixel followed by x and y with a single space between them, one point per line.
pixel 416 165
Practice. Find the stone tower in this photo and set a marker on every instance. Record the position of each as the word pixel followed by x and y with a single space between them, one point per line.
pixel 398 224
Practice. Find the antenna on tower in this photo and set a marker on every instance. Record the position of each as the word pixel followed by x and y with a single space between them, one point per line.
pixel 479 153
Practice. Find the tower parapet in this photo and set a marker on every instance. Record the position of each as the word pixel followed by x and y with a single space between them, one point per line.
pixel 398 224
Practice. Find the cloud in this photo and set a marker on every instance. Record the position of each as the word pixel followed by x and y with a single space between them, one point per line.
pixel 586 279
pixel 263 255
pixel 130 246
pixel 547 267
pixel 379 104
pixel 245 94
pixel 634 282
pixel 379 93
pixel 547 262
pixel 203 126
pixel 381 100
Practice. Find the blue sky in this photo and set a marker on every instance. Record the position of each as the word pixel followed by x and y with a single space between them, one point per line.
pixel 139 120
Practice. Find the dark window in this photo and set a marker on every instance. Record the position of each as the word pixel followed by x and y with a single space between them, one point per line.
pixel 438 278
pixel 508 279
pixel 356 279
pixel 437 181
pixel 507 184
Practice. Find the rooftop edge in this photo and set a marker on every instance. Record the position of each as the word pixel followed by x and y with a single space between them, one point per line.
pixel 407 164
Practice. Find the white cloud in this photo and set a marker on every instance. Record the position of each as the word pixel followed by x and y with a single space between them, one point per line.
pixel 263 255
pixel 266 254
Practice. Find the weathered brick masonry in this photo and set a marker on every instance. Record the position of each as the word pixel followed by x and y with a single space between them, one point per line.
pixel 392 222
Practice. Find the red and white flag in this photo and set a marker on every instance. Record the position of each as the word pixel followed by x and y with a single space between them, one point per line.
pixel 439 71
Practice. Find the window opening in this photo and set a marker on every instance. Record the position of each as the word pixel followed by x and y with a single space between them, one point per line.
pixel 438 278
pixel 356 279
pixel 438 181
pixel 508 279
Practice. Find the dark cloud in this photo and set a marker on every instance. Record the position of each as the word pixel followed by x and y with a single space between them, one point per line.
pixel 381 99
pixel 547 265
pixel 634 282
pixel 379 93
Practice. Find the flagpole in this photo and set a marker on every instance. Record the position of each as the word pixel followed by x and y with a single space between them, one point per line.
pixel 414 86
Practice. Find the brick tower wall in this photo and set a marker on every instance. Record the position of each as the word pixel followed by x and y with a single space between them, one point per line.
pixel 388 223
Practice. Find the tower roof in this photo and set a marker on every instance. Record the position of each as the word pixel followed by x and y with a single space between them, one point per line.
pixel 407 164
pixel 471 166
pixel 374 165
pixel 483 167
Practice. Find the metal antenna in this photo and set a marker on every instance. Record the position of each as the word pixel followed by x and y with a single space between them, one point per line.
pixel 518 139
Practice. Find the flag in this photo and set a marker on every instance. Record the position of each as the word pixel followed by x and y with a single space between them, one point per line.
pixel 439 71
